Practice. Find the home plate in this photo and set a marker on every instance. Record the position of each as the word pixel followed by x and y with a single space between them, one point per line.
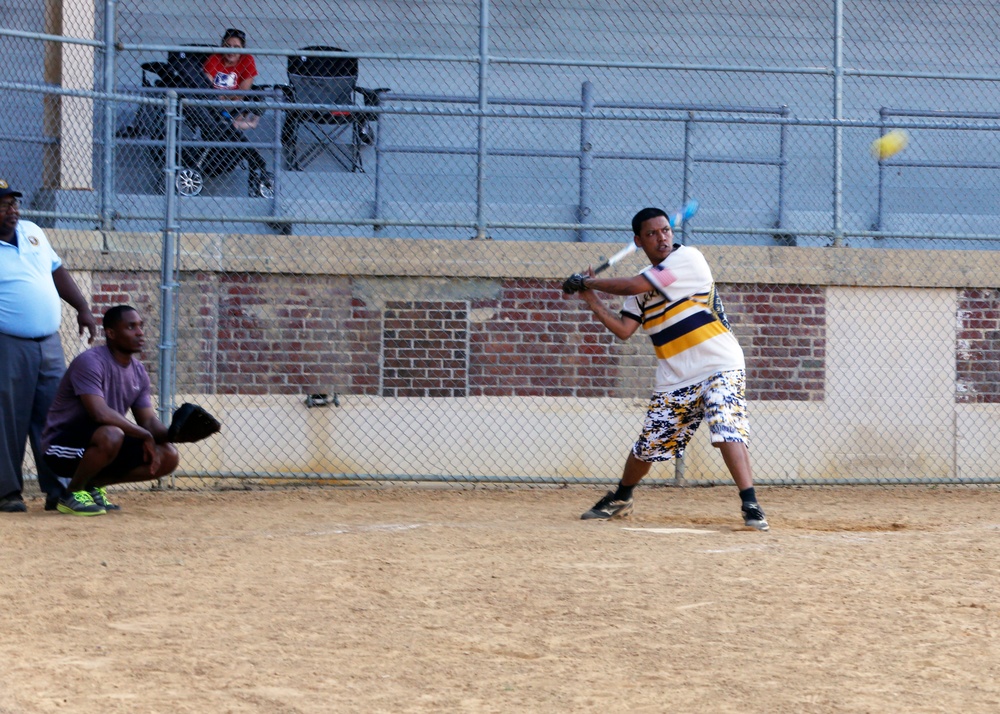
pixel 667 530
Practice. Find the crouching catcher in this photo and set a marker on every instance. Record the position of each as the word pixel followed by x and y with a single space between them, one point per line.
pixel 88 441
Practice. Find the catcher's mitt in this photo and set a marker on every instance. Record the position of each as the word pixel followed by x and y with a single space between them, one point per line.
pixel 574 283
pixel 191 423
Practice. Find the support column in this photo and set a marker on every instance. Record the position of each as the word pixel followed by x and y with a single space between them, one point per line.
pixel 69 164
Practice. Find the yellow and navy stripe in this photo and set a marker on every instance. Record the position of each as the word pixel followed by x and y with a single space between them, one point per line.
pixel 683 324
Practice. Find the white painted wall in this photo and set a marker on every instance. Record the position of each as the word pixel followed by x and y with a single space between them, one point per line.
pixel 889 413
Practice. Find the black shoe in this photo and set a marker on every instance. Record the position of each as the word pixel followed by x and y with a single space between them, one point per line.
pixel 608 508
pixel 753 517
pixel 365 134
pixel 12 504
pixel 253 183
pixel 52 502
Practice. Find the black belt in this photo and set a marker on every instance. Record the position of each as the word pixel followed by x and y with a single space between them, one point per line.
pixel 33 339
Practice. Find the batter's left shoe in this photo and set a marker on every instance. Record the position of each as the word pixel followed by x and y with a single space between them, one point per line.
pixel 608 508
pixel 753 517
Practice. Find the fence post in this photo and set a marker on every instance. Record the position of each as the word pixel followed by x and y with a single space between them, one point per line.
pixel 168 281
pixel 679 469
pixel 377 210
pixel 276 174
pixel 881 173
pixel 586 157
pixel 688 160
pixel 484 59
pixel 679 465
pixel 108 150
pixel 782 165
pixel 838 115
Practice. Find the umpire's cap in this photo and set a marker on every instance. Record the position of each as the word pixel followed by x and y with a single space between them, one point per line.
pixel 6 190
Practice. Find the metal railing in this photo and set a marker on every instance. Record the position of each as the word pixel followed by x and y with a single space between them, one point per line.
pixel 886 116
pixel 587 153
pixel 481 111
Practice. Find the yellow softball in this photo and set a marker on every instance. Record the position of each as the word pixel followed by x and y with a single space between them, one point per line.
pixel 889 144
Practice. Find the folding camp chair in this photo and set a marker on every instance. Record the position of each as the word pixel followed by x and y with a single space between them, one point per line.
pixel 342 129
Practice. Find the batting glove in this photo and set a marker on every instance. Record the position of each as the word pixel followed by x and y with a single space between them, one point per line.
pixel 574 283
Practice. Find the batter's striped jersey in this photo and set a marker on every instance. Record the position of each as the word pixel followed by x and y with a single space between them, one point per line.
pixel 684 318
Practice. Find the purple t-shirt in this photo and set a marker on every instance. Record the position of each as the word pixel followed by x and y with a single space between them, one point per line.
pixel 95 372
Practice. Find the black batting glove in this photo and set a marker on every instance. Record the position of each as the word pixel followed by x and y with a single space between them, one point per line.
pixel 574 283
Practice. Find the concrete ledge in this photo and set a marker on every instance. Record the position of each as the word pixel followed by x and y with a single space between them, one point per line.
pixel 92 250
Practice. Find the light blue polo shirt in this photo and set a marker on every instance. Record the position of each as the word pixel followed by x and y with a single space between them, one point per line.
pixel 29 302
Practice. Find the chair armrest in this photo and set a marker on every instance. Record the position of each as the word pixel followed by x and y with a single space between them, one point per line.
pixel 373 97
pixel 155 67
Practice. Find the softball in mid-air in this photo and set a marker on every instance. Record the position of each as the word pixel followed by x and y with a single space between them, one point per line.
pixel 889 144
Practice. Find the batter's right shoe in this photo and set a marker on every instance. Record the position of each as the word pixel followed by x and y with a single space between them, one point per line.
pixel 608 508
pixel 79 503
pixel 753 517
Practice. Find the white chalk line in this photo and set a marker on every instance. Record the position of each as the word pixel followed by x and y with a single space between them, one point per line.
pixel 669 531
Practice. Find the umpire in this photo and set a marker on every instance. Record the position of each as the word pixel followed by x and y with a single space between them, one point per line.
pixel 32 281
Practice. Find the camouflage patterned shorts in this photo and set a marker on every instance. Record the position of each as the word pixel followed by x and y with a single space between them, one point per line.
pixel 673 417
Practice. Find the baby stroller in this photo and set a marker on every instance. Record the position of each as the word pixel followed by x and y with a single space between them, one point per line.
pixel 183 70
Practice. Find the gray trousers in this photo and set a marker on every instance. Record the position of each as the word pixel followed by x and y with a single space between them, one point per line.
pixel 30 371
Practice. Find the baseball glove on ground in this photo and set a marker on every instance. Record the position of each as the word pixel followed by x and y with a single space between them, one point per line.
pixel 191 423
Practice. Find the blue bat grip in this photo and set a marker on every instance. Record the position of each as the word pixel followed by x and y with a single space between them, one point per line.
pixel 690 208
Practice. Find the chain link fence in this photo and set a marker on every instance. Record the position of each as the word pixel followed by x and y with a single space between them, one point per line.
pixel 300 248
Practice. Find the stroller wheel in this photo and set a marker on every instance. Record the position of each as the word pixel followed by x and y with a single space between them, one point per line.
pixel 262 185
pixel 189 182
pixel 366 133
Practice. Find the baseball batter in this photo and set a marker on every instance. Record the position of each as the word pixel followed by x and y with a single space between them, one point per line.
pixel 701 373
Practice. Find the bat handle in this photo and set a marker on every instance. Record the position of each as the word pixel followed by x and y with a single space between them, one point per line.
pixel 602 267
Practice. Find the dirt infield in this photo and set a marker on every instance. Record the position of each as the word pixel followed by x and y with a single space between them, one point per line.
pixel 434 600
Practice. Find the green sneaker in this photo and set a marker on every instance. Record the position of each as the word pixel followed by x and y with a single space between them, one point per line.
pixel 100 496
pixel 80 503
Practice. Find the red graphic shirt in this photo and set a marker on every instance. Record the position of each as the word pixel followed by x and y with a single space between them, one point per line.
pixel 225 77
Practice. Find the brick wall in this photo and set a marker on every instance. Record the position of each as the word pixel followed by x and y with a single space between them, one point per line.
pixel 782 329
pixel 361 345
pixel 538 342
pixel 242 333
pixel 978 349
pixel 140 290
pixel 425 346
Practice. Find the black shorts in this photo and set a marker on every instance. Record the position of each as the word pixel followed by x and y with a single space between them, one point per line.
pixel 64 454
